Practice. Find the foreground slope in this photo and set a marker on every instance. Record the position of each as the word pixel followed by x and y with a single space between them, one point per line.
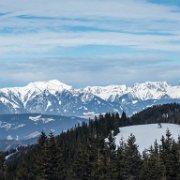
pixel 147 134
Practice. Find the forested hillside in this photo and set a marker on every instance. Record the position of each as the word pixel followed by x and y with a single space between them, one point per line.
pixel 82 153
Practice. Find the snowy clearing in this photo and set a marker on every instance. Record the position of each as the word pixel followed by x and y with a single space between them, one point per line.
pixel 147 134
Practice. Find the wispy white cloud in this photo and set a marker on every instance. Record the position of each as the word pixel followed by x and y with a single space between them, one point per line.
pixel 84 8
pixel 40 24
pixel 41 42
pixel 42 28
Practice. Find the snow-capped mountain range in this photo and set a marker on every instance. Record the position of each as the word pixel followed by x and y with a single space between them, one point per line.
pixel 55 97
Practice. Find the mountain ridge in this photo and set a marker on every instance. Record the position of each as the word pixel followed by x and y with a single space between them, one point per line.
pixel 55 97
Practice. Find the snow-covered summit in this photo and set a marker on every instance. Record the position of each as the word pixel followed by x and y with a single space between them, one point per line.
pixel 154 90
pixel 35 88
pixel 53 86
pixel 149 90
pixel 106 92
pixel 140 91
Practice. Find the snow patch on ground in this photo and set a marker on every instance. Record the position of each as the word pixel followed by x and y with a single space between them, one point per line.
pixel 147 134
pixel 48 105
pixel 19 126
pixel 10 155
pixel 39 118
pixel 35 118
pixel 134 102
pixel 9 137
pixel 47 120
pixel 5 125
pixel 33 135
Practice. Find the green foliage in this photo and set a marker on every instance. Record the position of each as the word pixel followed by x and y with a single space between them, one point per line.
pixel 2 167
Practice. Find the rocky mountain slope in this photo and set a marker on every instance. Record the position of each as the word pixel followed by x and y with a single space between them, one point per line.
pixel 55 97
pixel 22 129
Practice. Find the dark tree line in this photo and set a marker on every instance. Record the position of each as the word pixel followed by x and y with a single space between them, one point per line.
pixel 82 153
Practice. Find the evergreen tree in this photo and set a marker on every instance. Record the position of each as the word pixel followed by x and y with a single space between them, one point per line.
pixel 169 156
pixel 111 156
pixel 42 158
pixel 21 173
pixel 120 166
pixel 153 167
pixel 61 171
pixel 82 153
pixel 2 168
pixel 123 119
pixel 52 158
pixel 80 164
pixel 132 160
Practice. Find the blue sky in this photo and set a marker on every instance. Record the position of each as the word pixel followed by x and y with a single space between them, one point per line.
pixel 82 42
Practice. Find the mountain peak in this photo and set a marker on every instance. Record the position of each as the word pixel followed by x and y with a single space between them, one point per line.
pixel 55 81
pixel 54 85
pixel 152 84
pixel 58 84
pixel 151 90
pixel 56 97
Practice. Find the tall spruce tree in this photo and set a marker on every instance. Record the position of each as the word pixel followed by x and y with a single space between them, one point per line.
pixel 52 158
pixel 132 159
pixel 2 168
pixel 42 158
